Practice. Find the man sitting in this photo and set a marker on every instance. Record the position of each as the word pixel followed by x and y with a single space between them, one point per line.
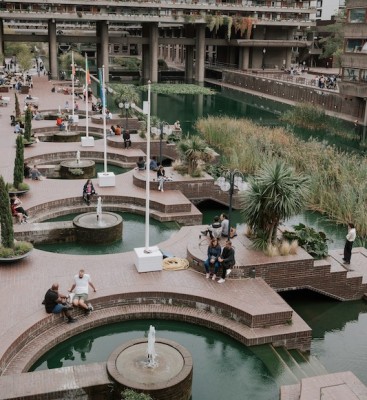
pixel 55 303
pixel 215 229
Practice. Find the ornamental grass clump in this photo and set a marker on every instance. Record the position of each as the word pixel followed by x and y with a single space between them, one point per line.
pixel 338 180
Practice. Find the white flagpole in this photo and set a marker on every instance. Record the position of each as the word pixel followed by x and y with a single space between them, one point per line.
pixel 104 119
pixel 86 96
pixel 147 182
pixel 72 84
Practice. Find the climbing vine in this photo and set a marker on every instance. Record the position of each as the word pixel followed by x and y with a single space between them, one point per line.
pixel 241 24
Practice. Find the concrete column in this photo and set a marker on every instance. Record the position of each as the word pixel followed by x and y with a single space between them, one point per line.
pixel 98 46
pixel 231 56
pixel 288 60
pixel 153 55
pixel 189 64
pixel 244 58
pixel 200 53
pixel 103 50
pixel 52 49
pixel 145 55
pixel 1 38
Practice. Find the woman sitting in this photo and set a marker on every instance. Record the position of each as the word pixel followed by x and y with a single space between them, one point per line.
pixel 21 218
pixel 88 191
pixel 18 205
pixel 141 164
pixel 214 251
pixel 161 177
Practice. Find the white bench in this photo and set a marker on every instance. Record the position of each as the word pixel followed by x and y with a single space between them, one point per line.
pixel 4 101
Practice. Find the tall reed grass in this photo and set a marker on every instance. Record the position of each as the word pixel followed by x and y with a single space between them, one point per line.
pixel 338 179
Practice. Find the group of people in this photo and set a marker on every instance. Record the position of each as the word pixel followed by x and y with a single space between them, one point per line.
pixel 32 173
pixel 17 209
pixel 219 228
pixel 219 258
pixel 57 303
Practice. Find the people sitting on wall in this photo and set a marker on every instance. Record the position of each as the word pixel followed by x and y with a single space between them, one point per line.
pixel 127 139
pixel 118 130
pixel 215 229
pixel 153 165
pixel 88 191
pixel 35 174
pixel 27 170
pixel 141 164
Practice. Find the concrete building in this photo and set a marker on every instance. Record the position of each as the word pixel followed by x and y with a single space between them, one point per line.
pixel 326 9
pixel 242 33
pixel 354 63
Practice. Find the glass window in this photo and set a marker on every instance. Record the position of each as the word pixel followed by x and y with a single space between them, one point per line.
pixel 357 15
pixel 364 75
pixel 354 45
pixel 351 74
pixel 319 3
pixel 318 13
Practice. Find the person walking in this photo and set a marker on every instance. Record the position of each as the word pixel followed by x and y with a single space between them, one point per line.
pixel 226 260
pixel 161 176
pixel 81 284
pixel 350 238
pixel 55 303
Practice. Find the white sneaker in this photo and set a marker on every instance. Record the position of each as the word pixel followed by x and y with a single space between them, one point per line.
pixel 90 307
pixel 207 276
pixel 214 277
pixel 228 272
pixel 221 280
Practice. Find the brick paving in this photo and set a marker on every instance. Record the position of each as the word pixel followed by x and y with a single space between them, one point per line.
pixel 23 284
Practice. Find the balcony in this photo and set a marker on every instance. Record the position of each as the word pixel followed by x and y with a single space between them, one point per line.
pixel 355 60
pixel 357 89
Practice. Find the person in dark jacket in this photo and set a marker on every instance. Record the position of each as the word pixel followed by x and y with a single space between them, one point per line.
pixel 54 303
pixel 127 139
pixel 214 251
pixel 88 191
pixel 226 260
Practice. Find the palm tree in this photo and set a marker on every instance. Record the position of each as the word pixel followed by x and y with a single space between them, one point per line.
pixel 193 150
pixel 275 194
pixel 126 94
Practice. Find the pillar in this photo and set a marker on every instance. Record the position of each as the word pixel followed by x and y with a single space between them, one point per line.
pixel 145 55
pixel 200 53
pixel 189 63
pixel 244 58
pixel 52 49
pixel 177 53
pixel 1 38
pixel 102 50
pixel 288 60
pixel 153 54
pixel 231 56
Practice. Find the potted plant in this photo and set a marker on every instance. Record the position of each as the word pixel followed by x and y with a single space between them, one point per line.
pixel 10 250
pixel 18 185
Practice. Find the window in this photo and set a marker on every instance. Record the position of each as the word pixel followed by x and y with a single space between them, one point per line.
pixel 318 13
pixel 364 75
pixel 357 15
pixel 350 74
pixel 354 45
pixel 319 3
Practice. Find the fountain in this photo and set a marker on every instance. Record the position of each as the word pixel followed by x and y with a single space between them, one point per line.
pixel 151 347
pixel 163 369
pixel 92 228
pixel 77 169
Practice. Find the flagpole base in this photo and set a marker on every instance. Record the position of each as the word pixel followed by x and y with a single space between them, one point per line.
pixel 87 141
pixel 148 259
pixel 106 179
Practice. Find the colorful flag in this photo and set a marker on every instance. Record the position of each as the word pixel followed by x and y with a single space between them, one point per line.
pixel 87 75
pixel 102 88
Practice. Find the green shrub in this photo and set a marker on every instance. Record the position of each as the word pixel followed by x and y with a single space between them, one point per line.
pixel 19 249
pixel 28 125
pixel 129 394
pixel 76 171
pixel 315 243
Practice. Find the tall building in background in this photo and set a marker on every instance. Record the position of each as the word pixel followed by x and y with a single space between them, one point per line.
pixel 354 63
pixel 325 9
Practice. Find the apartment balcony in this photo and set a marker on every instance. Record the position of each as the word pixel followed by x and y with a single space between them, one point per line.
pixel 357 89
pixel 355 60
pixel 272 43
pixel 355 31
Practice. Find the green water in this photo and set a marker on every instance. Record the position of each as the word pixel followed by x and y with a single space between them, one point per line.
pixel 133 236
pixel 223 368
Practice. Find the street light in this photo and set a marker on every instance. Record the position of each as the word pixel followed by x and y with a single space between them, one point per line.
pixel 165 129
pixel 263 63
pixel 230 180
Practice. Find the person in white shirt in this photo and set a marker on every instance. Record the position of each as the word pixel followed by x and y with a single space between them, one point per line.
pixel 225 224
pixel 81 284
pixel 351 237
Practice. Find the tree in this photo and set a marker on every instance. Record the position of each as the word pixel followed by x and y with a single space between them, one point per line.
pixel 192 151
pixel 126 94
pixel 333 44
pixel 25 60
pixel 65 61
pixel 19 162
pixel 17 107
pixel 6 221
pixel 275 194
pixel 28 125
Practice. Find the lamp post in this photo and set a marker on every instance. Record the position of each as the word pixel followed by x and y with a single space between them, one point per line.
pixel 228 182
pixel 165 129
pixel 263 62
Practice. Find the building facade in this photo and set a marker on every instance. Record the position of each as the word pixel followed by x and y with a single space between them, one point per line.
pixel 354 62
